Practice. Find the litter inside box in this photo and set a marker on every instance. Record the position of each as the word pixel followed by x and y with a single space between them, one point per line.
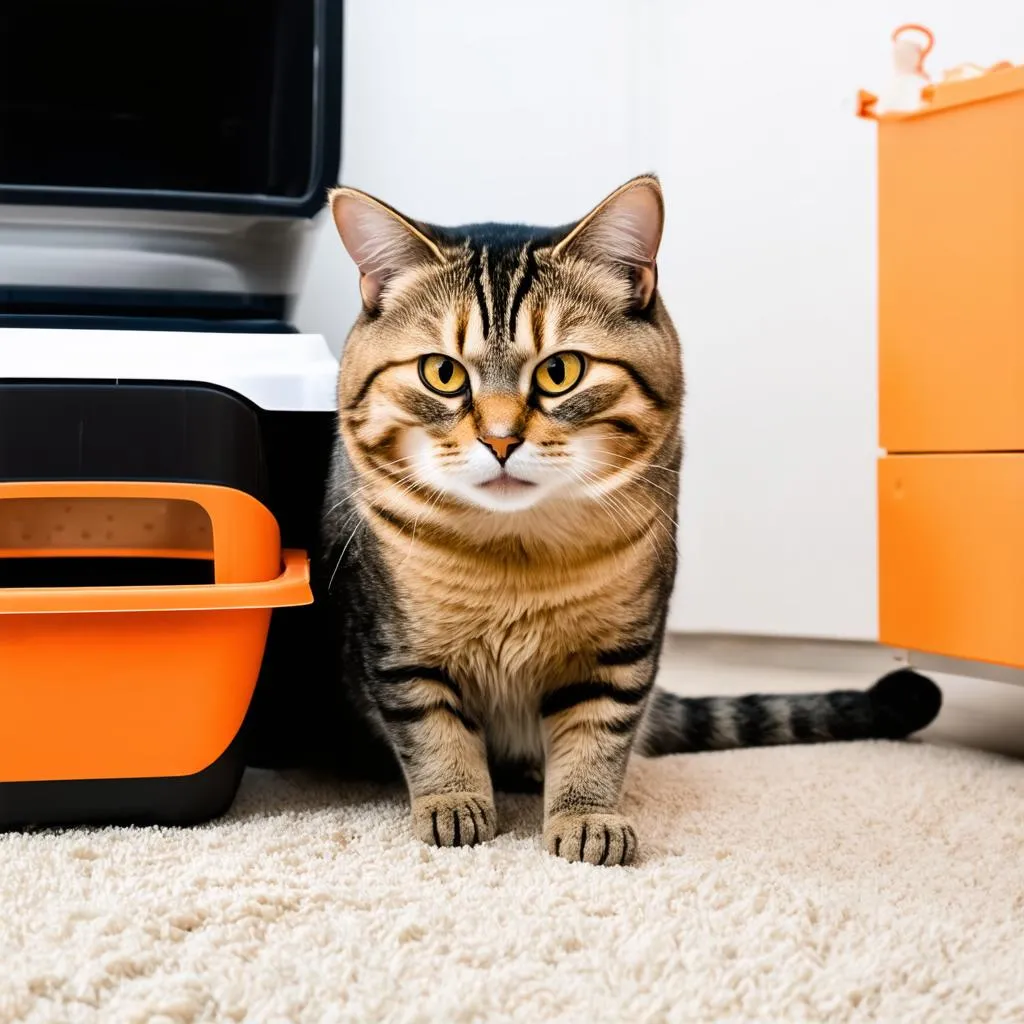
pixel 102 542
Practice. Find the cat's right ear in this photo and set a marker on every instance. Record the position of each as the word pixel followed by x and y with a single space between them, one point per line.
pixel 382 243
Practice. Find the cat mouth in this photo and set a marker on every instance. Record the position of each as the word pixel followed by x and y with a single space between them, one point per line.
pixel 506 483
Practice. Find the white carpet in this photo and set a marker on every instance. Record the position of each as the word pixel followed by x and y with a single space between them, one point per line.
pixel 845 883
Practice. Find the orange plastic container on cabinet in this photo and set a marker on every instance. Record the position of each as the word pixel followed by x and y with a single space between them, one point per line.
pixel 951 369
pixel 951 269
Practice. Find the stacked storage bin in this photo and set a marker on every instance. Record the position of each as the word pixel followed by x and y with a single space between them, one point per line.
pixel 951 370
pixel 164 429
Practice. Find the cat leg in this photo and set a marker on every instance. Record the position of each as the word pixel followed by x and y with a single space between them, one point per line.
pixel 588 734
pixel 443 755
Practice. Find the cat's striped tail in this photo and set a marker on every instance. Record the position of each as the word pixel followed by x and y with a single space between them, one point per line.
pixel 896 706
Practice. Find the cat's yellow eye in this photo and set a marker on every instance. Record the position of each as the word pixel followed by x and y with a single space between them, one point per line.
pixel 443 375
pixel 558 373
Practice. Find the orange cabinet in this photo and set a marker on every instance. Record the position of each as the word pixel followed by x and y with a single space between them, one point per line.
pixel 951 551
pixel 951 371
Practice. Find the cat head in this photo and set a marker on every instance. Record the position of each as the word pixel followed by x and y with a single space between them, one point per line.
pixel 504 368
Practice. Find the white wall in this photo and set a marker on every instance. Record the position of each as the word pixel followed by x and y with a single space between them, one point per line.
pixel 770 270
pixel 458 111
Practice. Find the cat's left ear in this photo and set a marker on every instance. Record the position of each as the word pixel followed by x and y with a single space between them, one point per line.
pixel 624 231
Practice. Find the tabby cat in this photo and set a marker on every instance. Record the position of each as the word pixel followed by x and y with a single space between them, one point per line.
pixel 500 532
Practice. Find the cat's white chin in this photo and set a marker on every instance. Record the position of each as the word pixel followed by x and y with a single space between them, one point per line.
pixel 505 483
pixel 506 493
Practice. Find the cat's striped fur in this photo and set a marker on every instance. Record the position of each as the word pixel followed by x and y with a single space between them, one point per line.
pixel 501 558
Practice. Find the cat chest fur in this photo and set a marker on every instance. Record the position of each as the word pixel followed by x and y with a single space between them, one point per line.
pixel 510 633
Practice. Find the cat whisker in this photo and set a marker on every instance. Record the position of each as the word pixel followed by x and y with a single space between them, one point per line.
pixel 348 497
pixel 430 507
pixel 341 557
pixel 370 483
pixel 653 512
pixel 654 507
pixel 631 459
pixel 642 523
pixel 605 506
pixel 640 476
pixel 356 512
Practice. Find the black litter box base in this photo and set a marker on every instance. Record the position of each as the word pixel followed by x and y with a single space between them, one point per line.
pixel 174 801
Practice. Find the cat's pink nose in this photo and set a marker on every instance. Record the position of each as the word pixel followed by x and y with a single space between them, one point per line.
pixel 502 447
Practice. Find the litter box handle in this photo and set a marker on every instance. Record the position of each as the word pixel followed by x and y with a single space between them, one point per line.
pixel 246 540
pixel 288 590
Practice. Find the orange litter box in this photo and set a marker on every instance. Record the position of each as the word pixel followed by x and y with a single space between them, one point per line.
pixel 135 680
pixel 134 613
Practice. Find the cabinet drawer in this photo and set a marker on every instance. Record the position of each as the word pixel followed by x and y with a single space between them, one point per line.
pixel 951 555
pixel 951 277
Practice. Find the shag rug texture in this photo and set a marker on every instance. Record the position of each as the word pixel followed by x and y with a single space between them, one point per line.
pixel 861 882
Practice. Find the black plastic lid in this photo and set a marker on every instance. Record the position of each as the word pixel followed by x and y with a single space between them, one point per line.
pixel 143 310
pixel 182 433
pixel 230 106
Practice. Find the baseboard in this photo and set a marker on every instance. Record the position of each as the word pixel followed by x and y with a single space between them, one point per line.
pixel 786 652
pixel 969 669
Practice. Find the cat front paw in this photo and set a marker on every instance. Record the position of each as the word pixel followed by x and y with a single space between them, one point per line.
pixel 454 819
pixel 596 838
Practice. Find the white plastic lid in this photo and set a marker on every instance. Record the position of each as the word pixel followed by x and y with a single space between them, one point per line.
pixel 276 372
